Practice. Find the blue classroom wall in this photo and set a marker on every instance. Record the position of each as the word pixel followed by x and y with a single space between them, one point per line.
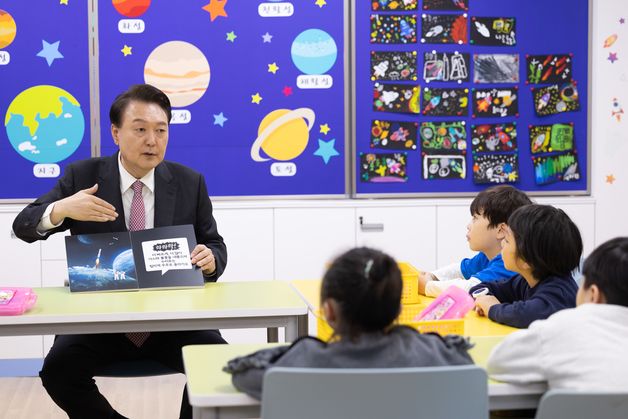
pixel 45 126
pixel 249 50
pixel 542 27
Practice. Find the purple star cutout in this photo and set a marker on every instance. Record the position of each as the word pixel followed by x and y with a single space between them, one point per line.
pixel 612 57
pixel 622 20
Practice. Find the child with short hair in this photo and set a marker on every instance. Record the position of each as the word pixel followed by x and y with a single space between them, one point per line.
pixel 583 348
pixel 490 210
pixel 361 298
pixel 543 246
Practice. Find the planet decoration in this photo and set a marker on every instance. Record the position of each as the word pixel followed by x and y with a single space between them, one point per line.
pixel 45 124
pixel 8 29
pixel 180 70
pixel 283 134
pixel 131 8
pixel 314 51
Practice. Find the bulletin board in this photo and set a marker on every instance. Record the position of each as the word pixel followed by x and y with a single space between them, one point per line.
pixel 44 93
pixel 452 96
pixel 258 88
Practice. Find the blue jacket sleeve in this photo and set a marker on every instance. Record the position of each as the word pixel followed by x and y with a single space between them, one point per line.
pixel 471 266
pixel 504 290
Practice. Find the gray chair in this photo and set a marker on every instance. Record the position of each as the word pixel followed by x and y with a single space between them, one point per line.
pixel 571 404
pixel 376 393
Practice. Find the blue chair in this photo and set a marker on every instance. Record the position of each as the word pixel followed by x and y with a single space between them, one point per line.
pixel 571 404
pixel 375 393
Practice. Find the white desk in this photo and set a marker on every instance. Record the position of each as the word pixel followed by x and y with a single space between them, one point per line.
pixel 262 304
pixel 213 396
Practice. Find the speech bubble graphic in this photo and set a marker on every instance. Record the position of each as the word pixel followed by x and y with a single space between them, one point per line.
pixel 166 254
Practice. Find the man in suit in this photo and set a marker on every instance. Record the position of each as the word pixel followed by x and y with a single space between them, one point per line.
pixel 112 194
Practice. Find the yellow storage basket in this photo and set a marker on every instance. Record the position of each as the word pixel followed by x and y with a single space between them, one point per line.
pixel 410 278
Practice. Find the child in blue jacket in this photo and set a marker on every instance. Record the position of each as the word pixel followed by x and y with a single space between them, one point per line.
pixel 490 210
pixel 543 246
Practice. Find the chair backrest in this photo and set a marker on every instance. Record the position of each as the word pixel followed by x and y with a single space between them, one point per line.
pixel 377 393
pixel 571 404
pixel 136 368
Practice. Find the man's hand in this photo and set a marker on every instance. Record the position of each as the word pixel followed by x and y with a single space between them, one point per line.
pixel 484 303
pixel 83 206
pixel 424 278
pixel 203 257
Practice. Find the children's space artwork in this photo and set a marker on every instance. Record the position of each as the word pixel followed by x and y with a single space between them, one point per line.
pixel 444 29
pixel 446 67
pixel 495 102
pixel 493 31
pixel 453 5
pixel 495 168
pixel 393 29
pixel 443 137
pixel 394 65
pixel 548 138
pixel 474 93
pixel 394 5
pixel 445 102
pixel 394 135
pixel 555 99
pixel 494 137
pixel 383 168
pixel 444 167
pixel 548 69
pixel 496 68
pixel 556 168
pixel 398 98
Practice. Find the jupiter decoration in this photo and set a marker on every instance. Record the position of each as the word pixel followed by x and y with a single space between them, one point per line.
pixel 180 70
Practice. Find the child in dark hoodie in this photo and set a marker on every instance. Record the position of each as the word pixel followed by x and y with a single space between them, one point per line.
pixel 361 297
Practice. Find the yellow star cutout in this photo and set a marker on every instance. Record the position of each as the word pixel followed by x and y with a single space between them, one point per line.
pixel 272 68
pixel 126 50
pixel 381 170
pixel 256 98
pixel 610 179
pixel 320 3
pixel 65 2
pixel 325 128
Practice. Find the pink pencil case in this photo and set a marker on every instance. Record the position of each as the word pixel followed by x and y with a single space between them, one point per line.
pixel 453 303
pixel 16 300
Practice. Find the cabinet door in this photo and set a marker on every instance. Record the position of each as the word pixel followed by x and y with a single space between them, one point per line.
pixel 406 233
pixel 21 267
pixel 308 238
pixel 248 234
pixel 451 242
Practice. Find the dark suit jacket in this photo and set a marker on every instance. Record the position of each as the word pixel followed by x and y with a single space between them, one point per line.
pixel 180 198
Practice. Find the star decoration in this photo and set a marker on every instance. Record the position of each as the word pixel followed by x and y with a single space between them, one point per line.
pixel 231 36
pixel 127 50
pixel 612 57
pixel 320 3
pixel 610 179
pixel 267 38
pixel 256 98
pixel 49 51
pixel 622 20
pixel 64 2
pixel 220 119
pixel 326 150
pixel 272 68
pixel 325 128
pixel 216 8
pixel 287 91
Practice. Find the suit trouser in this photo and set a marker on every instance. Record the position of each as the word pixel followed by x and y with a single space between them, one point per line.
pixel 69 367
